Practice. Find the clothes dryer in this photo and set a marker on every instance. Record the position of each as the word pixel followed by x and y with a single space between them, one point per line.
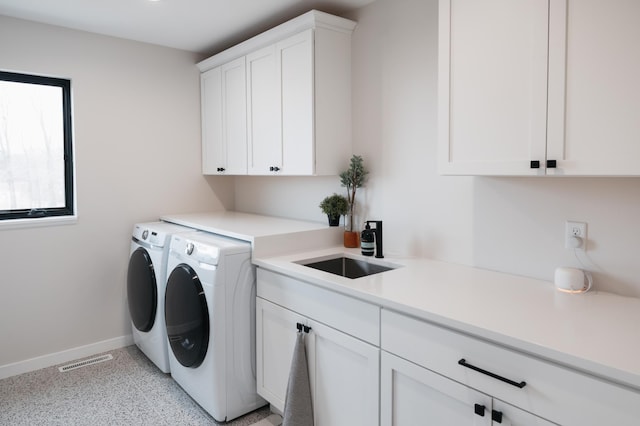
pixel 210 318
pixel 146 280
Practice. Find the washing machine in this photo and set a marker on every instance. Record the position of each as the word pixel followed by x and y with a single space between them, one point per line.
pixel 210 320
pixel 146 280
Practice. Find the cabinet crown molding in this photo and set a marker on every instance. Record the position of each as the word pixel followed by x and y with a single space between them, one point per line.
pixel 310 20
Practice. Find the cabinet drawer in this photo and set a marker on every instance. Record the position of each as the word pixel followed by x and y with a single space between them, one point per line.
pixel 559 394
pixel 352 316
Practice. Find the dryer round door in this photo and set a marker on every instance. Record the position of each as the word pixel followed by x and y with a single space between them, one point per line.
pixel 186 316
pixel 142 290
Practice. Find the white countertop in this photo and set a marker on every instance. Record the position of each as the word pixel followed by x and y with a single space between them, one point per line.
pixel 268 235
pixel 243 226
pixel 596 332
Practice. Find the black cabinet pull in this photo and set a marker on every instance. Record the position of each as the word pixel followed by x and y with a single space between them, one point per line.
pixel 221 169
pixel 479 409
pixel 464 363
pixel 551 164
pixel 496 416
pixel 535 164
pixel 274 169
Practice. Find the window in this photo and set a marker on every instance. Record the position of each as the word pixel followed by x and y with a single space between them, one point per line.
pixel 36 161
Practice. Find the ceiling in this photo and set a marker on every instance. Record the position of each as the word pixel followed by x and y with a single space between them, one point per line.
pixel 203 26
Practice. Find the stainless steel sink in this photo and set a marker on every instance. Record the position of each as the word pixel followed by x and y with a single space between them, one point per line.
pixel 348 267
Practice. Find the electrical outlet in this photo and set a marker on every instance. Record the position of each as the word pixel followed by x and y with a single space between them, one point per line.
pixel 575 229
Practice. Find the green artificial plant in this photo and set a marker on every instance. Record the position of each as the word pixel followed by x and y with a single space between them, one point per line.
pixel 335 206
pixel 353 178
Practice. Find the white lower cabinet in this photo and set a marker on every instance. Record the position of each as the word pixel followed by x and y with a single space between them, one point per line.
pixel 374 366
pixel 343 370
pixel 412 395
pixel 518 383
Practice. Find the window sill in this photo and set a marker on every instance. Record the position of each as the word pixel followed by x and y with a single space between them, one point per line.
pixel 38 222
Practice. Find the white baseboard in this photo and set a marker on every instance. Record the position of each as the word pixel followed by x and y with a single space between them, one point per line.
pixel 73 354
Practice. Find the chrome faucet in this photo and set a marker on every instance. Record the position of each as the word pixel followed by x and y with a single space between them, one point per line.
pixel 378 232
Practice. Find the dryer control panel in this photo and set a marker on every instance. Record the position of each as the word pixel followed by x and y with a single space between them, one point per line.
pixel 206 248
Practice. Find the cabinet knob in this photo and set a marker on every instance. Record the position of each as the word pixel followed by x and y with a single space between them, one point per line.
pixel 535 164
pixel 274 168
pixel 551 164
pixel 221 169
pixel 479 409
pixel 496 416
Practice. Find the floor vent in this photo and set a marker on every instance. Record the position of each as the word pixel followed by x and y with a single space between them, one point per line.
pixel 86 362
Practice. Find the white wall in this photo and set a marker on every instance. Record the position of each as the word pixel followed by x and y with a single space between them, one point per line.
pixel 63 287
pixel 507 224
pixel 135 105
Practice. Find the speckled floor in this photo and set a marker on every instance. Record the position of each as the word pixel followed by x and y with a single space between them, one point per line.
pixel 128 390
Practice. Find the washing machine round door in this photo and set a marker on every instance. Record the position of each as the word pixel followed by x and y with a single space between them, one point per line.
pixel 186 316
pixel 142 290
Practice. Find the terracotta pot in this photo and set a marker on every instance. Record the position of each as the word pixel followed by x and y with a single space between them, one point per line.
pixel 351 239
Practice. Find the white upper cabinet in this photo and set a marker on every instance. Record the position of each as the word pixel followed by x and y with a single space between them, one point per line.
pixel 535 87
pixel 297 98
pixel 280 107
pixel 594 93
pixel 213 147
pixel 492 85
pixel 295 59
pixel 224 121
pixel 263 111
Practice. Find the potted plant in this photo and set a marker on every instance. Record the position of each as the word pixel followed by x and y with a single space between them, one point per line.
pixel 334 206
pixel 352 179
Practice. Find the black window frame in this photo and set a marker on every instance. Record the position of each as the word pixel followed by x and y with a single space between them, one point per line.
pixel 69 208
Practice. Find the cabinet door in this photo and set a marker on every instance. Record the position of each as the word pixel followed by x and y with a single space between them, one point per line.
pixel 343 371
pixel 411 395
pixel 594 95
pixel 275 339
pixel 492 88
pixel 213 150
pixel 295 68
pixel 346 380
pixel 224 137
pixel 263 112
pixel 234 116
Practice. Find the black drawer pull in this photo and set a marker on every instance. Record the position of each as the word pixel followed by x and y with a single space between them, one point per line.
pixel 496 416
pixel 535 164
pixel 551 164
pixel 464 363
